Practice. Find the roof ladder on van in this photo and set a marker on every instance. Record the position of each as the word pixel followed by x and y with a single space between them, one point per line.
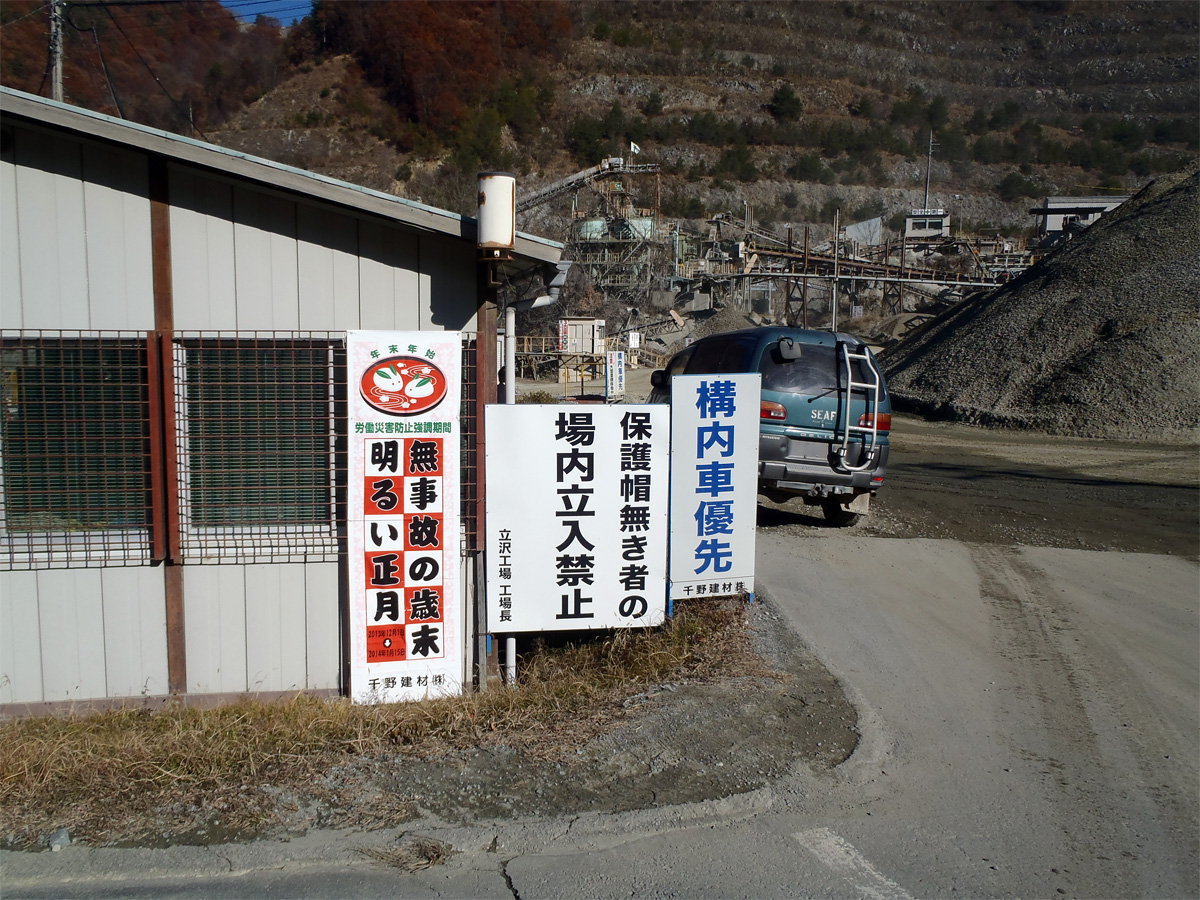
pixel 873 390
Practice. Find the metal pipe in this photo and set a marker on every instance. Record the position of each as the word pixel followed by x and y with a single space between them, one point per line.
pixel 510 396
pixel 485 393
pixel 928 168
pixel 804 290
pixel 510 354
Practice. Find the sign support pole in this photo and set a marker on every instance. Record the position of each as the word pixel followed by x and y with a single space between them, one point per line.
pixel 510 397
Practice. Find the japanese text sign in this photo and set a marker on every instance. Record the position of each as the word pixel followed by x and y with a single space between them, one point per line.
pixel 714 483
pixel 614 375
pixel 576 516
pixel 402 522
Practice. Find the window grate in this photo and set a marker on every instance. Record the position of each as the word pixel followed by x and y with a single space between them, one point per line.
pixel 259 438
pixel 249 428
pixel 74 449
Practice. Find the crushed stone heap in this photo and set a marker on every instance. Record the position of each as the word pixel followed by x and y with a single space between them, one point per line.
pixel 1102 339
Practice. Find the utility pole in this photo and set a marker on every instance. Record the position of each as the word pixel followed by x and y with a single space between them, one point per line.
pixel 804 285
pixel 837 252
pixel 56 50
pixel 928 166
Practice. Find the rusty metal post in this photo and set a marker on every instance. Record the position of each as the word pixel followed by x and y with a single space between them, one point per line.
pixel 164 456
pixel 485 393
pixel 159 551
pixel 804 288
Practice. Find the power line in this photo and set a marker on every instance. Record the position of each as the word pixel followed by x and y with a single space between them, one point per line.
pixel 238 6
pixel 136 25
pixel 103 63
pixel 162 86
pixel 32 12
pixel 220 10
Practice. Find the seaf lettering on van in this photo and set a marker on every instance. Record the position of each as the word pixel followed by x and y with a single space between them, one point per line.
pixel 824 415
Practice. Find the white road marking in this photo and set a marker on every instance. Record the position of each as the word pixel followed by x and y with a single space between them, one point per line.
pixel 841 856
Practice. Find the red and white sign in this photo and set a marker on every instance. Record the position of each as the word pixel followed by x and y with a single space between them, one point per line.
pixel 403 386
pixel 406 632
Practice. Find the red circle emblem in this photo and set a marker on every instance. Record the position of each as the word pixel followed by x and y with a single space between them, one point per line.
pixel 403 386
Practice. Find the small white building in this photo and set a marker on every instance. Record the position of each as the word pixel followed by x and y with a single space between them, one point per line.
pixel 1060 216
pixel 173 445
pixel 581 335
pixel 926 225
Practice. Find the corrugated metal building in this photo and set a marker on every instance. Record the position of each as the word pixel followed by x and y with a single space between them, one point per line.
pixel 172 457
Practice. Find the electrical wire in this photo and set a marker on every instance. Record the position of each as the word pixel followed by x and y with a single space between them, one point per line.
pixel 26 16
pixel 219 10
pixel 103 63
pixel 240 5
pixel 163 87
pixel 133 26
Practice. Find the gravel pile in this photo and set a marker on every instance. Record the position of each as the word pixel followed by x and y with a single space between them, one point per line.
pixel 1100 340
pixel 719 322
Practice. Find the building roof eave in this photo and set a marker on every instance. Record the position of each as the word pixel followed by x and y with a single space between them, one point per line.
pixel 86 123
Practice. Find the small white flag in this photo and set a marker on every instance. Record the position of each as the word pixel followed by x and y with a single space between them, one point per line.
pixel 634 148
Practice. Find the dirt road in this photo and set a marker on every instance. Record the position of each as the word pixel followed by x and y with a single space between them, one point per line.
pixel 1004 487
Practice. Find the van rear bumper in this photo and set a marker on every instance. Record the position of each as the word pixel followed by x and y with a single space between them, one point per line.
pixel 810 467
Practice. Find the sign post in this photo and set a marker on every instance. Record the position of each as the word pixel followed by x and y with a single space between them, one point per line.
pixel 406 638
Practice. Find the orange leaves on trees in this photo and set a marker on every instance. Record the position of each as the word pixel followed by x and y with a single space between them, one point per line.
pixel 195 51
pixel 435 61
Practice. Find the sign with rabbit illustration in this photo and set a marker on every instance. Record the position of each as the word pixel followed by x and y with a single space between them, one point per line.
pixel 406 621
pixel 403 385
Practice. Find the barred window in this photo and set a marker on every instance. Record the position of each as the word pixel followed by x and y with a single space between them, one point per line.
pixel 257 424
pixel 74 449
pixel 232 450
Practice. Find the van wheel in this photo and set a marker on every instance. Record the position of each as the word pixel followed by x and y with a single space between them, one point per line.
pixel 837 514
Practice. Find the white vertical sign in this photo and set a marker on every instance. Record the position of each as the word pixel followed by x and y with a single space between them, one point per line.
pixel 576 516
pixel 614 374
pixel 714 483
pixel 406 640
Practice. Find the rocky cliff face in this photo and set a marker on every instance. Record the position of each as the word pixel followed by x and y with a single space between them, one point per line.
pixel 851 65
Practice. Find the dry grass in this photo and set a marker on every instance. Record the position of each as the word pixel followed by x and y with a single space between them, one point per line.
pixel 120 774
pixel 412 855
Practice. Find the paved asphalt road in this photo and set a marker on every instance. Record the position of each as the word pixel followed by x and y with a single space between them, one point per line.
pixel 1030 728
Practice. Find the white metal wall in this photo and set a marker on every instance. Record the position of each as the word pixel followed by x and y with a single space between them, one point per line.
pixel 262 627
pixel 79 634
pixel 75 236
pixel 75 253
pixel 246 259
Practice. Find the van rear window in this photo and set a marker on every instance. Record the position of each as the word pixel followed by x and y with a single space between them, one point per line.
pixel 815 372
pixel 720 357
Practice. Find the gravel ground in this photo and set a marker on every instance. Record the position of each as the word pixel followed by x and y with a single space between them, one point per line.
pixel 1102 339
pixel 677 742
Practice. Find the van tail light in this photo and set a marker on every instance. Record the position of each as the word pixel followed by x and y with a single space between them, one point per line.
pixel 883 421
pixel 769 409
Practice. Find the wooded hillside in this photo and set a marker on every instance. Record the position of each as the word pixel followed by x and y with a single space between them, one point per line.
pixel 795 107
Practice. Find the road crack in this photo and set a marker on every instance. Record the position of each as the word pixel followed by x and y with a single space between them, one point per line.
pixel 512 888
